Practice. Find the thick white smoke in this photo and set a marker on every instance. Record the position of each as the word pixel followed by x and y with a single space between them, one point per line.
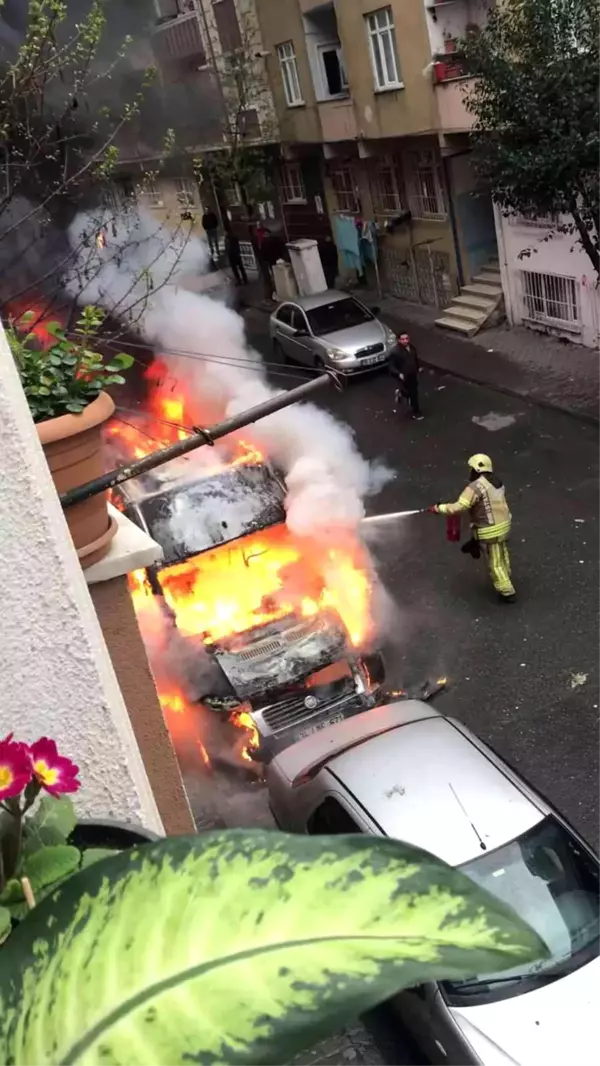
pixel 139 275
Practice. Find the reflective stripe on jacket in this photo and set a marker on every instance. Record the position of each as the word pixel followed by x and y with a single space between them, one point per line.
pixel 490 516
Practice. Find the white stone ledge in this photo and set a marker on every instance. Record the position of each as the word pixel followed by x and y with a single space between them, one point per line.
pixel 131 549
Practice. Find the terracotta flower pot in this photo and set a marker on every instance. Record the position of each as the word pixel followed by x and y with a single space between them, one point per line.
pixel 73 448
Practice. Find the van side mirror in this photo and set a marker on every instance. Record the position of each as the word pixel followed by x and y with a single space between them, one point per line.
pixel 302 332
pixel 375 310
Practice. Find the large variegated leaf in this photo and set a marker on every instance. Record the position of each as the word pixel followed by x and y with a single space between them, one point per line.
pixel 238 947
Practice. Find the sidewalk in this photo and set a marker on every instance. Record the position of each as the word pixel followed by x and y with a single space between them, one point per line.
pixel 519 361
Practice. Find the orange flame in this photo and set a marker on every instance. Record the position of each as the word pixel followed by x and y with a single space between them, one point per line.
pixel 261 578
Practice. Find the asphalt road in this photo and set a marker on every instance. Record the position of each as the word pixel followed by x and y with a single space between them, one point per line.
pixel 524 677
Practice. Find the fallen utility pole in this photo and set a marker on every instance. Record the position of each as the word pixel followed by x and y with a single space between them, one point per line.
pixel 198 439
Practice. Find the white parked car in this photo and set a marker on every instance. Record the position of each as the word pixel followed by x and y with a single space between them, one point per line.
pixel 408 772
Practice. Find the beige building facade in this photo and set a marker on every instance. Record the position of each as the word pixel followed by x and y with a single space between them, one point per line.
pixel 374 96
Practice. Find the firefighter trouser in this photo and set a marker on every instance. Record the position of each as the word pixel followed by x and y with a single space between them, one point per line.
pixel 498 562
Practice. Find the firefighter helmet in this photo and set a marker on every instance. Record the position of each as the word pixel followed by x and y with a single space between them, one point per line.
pixel 481 463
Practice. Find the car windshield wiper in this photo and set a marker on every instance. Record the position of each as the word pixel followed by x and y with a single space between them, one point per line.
pixel 484 982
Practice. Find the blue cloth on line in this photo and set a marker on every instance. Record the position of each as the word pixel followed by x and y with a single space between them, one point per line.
pixel 346 239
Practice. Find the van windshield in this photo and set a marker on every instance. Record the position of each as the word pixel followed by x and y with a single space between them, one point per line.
pixel 551 881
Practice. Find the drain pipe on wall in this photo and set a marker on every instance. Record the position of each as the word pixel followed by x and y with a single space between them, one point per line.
pixel 452 218
pixel 508 303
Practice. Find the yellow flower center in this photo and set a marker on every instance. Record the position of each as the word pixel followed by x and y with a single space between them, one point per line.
pixel 47 773
pixel 6 776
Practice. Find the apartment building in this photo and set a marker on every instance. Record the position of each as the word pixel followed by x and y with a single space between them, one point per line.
pixel 210 89
pixel 370 103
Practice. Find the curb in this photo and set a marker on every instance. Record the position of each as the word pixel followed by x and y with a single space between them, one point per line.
pixel 539 401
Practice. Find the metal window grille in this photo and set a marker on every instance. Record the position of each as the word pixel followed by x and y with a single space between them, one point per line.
pixel 385 187
pixel 550 298
pixel 233 194
pixel 187 193
pixel 289 73
pixel 426 197
pixel 292 184
pixel 342 182
pixel 382 43
pixel 151 193
pixel 535 221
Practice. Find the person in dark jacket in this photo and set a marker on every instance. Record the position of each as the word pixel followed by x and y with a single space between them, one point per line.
pixel 234 255
pixel 210 225
pixel 404 365
pixel 329 260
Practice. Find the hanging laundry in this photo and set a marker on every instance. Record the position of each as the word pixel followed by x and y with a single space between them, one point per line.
pixel 348 241
pixel 368 242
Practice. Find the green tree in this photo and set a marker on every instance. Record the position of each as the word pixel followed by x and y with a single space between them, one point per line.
pixel 535 103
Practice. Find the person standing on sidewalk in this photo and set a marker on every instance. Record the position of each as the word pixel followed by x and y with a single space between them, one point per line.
pixel 404 365
pixel 485 500
pixel 210 225
pixel 234 255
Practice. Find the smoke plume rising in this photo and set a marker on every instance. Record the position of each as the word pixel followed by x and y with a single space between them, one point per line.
pixel 140 276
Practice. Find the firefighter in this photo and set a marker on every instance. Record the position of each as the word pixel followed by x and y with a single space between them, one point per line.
pixel 484 497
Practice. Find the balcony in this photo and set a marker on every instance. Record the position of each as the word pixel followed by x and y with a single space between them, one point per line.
pixel 450 95
pixel 310 5
pixel 338 122
pixel 178 39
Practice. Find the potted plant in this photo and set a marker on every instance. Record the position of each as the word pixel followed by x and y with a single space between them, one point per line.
pixel 41 840
pixel 64 385
pixel 243 946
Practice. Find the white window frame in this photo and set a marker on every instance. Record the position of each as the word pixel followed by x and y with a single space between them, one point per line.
pixel 386 65
pixel 292 184
pixel 333 46
pixel 549 292
pixel 390 166
pixel 290 77
pixel 188 194
pixel 423 176
pixel 345 197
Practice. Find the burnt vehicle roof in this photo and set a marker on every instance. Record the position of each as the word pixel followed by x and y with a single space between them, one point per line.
pixel 189 516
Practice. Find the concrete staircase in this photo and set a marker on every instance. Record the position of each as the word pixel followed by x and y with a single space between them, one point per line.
pixel 479 301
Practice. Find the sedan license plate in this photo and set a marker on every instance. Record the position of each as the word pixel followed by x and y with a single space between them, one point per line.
pixel 339 717
pixel 372 359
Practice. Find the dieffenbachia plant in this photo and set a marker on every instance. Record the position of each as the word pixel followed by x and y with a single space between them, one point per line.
pixel 238 947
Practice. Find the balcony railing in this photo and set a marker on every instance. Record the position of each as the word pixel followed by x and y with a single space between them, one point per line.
pixel 338 122
pixel 177 39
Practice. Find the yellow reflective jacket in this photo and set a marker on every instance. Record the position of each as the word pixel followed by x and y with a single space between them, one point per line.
pixel 490 516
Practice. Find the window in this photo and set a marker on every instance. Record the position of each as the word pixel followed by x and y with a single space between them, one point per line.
pixel 535 221
pixel 233 194
pixel 424 180
pixel 289 73
pixel 299 319
pixel 187 193
pixel 228 26
pixel 385 187
pixel 292 185
pixel 550 298
pixel 151 193
pixel 334 72
pixel 342 182
pixel 382 42
pixel 331 817
pixel 339 314
pixel 284 314
pixel 552 883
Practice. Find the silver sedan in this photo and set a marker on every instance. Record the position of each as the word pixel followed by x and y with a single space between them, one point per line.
pixel 332 329
pixel 405 771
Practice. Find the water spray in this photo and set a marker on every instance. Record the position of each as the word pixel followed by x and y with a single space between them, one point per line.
pixel 372 519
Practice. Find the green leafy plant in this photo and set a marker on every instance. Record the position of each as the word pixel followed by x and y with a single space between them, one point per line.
pixel 35 853
pixel 69 375
pixel 239 947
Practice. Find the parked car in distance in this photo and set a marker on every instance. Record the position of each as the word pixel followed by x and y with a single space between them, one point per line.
pixel 332 329
pixel 408 772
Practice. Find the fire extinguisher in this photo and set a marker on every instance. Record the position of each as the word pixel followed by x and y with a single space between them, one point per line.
pixel 453 528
